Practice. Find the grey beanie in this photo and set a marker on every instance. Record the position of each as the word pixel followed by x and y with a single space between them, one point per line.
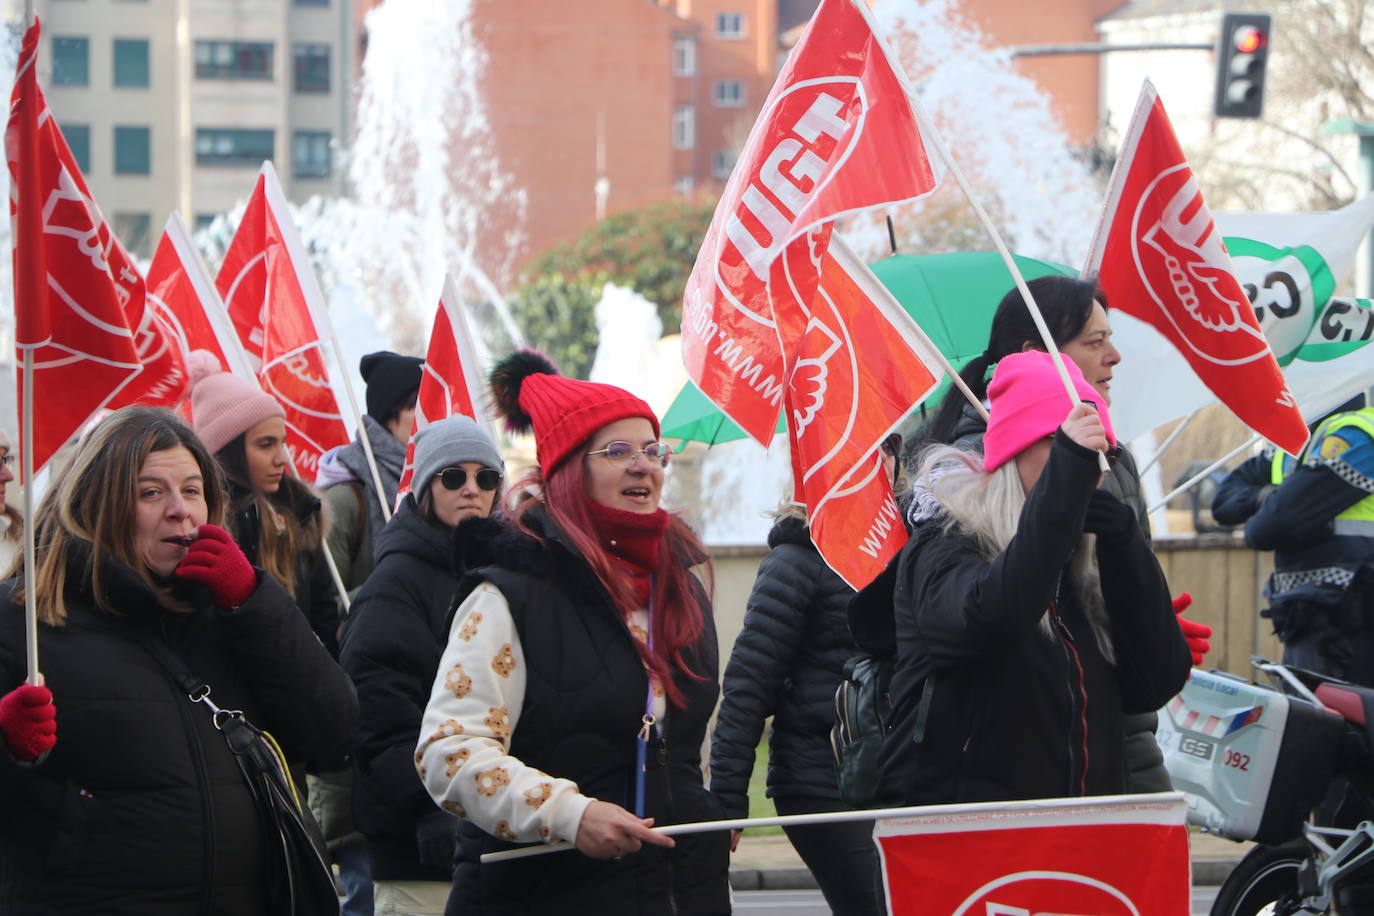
pixel 449 442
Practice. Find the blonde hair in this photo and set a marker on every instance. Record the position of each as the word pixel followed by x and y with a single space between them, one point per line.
pixel 95 501
pixel 986 507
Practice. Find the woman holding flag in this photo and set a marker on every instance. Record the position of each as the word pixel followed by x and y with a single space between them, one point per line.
pixel 121 796
pixel 573 697
pixel 395 633
pixel 275 518
pixel 1031 613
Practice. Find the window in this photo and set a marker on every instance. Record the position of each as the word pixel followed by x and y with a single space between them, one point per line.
pixel 729 25
pixel 132 230
pixel 311 2
pixel 310 154
pixel 79 141
pixel 684 56
pixel 683 184
pixel 729 94
pixel 234 60
pixel 71 61
pixel 684 127
pixel 131 63
pixel 722 163
pixel 133 150
pixel 205 221
pixel 312 67
pixel 233 146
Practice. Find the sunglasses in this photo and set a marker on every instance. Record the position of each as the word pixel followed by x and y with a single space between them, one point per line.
pixel 6 461
pixel 623 454
pixel 455 478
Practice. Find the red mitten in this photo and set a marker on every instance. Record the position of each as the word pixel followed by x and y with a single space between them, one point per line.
pixel 29 721
pixel 216 561
pixel 1196 634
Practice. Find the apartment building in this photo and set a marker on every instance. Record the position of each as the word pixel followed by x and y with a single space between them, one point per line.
pixel 174 104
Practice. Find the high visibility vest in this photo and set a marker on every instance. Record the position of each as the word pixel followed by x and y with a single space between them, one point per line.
pixel 1357 520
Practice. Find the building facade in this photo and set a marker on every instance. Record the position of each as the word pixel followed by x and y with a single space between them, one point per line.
pixel 174 104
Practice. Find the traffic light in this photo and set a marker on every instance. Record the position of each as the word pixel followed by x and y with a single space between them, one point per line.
pixel 1242 52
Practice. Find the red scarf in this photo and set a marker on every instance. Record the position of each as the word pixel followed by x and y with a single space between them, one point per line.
pixel 632 539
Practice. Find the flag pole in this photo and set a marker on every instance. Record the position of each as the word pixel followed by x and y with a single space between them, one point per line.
pixel 26 459
pixel 1202 474
pixel 929 132
pixel 1159 452
pixel 357 415
pixel 835 817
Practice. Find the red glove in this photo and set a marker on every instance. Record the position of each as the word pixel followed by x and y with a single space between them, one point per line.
pixel 216 561
pixel 1196 634
pixel 29 721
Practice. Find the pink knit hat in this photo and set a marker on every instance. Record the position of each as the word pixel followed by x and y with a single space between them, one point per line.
pixel 1028 403
pixel 223 405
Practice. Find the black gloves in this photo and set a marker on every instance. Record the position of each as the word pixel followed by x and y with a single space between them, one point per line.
pixel 435 839
pixel 1109 518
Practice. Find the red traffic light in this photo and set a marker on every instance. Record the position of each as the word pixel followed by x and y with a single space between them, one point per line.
pixel 1249 39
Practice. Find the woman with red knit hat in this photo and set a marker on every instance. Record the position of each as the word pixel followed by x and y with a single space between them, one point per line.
pixel 572 699
pixel 1031 615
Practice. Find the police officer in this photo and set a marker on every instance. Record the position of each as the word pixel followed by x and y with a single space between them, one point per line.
pixel 1316 512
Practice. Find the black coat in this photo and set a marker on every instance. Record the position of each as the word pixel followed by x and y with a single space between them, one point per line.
pixel 314 588
pixel 787 661
pixel 140 808
pixel 1010 710
pixel 392 643
pixel 584 700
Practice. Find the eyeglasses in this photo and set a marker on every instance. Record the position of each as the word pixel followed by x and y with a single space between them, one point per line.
pixel 623 454
pixel 456 478
pixel 6 461
pixel 1113 454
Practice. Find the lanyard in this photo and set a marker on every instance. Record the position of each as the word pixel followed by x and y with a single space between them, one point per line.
pixel 649 721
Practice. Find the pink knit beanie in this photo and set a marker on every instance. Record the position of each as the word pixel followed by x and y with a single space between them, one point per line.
pixel 223 405
pixel 1028 403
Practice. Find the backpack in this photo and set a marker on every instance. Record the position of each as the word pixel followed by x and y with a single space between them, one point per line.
pixel 863 707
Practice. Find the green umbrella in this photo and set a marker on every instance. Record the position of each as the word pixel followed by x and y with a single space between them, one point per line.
pixel 951 296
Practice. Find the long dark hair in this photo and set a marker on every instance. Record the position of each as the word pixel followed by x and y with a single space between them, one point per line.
pixel 1066 303
pixel 282 536
pixel 682 619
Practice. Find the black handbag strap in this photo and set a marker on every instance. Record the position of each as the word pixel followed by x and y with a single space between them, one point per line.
pixel 196 690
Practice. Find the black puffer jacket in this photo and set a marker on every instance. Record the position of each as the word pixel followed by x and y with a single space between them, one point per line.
pixel 314 588
pixel 584 699
pixel 140 807
pixel 987 705
pixel 392 643
pixel 787 661
pixel 1144 760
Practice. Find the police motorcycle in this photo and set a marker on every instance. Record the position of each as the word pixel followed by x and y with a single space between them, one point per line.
pixel 1290 767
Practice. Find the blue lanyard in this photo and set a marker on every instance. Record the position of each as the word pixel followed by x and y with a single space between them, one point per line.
pixel 649 721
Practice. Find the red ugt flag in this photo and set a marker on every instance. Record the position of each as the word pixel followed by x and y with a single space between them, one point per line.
pixel 277 308
pixel 449 384
pixel 1160 258
pixel 1124 855
pixel 856 367
pixel 74 285
pixel 183 294
pixel 837 134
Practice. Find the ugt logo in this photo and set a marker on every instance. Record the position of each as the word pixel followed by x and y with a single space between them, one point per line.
pixel 1183 265
pixel 815 125
pixel 1047 893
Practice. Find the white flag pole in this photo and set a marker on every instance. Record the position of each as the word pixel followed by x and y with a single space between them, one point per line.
pixel 1159 452
pixel 1202 475
pixel 840 817
pixel 26 460
pixel 929 134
